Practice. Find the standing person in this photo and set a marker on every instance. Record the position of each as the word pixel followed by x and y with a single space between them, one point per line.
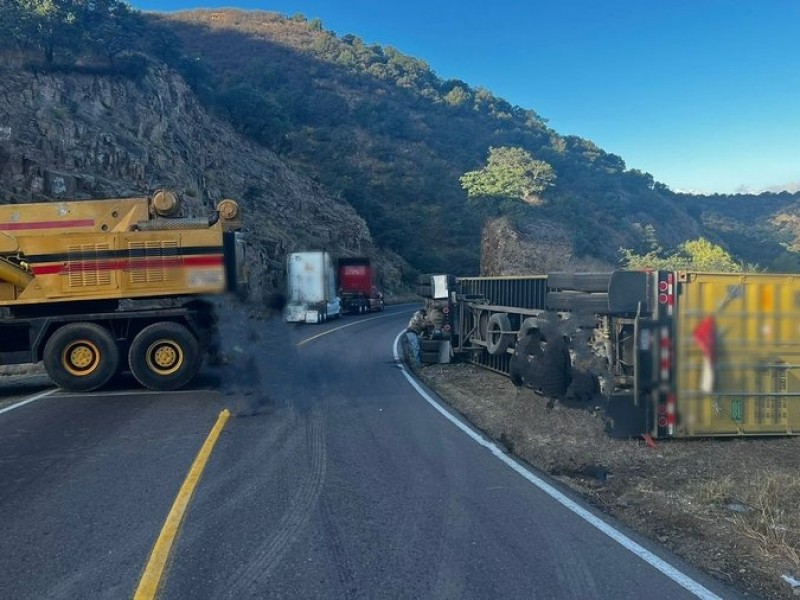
pixel 415 327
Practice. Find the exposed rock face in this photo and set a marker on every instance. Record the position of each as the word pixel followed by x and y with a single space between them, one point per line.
pixel 536 247
pixel 84 136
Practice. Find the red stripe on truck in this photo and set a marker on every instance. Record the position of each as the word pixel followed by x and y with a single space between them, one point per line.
pixel 122 265
pixel 46 225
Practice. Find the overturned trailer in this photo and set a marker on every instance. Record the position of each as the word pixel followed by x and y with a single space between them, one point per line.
pixel 677 354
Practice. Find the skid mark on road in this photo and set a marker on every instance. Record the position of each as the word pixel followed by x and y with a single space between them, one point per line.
pixel 335 543
pixel 248 581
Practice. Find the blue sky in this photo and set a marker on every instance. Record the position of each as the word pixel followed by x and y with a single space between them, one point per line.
pixel 703 94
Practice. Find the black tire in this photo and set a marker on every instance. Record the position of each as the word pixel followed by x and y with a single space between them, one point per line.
pixel 430 345
pixel 545 368
pixel 526 359
pixel 578 302
pixel 581 282
pixel 164 356
pixel 556 372
pixel 429 358
pixel 528 325
pixel 81 357
pixel 483 324
pixel 499 335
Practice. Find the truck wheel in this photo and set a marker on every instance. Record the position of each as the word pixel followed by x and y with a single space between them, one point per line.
pixel 498 336
pixel 81 357
pixel 164 356
pixel 528 325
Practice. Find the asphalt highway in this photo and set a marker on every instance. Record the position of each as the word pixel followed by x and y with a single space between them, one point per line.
pixel 334 478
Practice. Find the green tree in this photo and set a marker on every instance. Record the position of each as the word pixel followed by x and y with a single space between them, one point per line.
pixel 46 25
pixel 509 174
pixel 109 27
pixel 693 255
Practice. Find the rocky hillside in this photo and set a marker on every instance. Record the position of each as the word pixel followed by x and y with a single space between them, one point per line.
pixel 330 142
pixel 72 135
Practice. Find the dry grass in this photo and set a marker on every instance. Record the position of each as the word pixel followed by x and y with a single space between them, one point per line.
pixel 773 521
pixel 715 491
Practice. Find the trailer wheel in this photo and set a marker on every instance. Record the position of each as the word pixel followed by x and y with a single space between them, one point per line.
pixel 164 356
pixel 556 369
pixel 498 333
pixel 526 358
pixel 546 370
pixel 81 357
pixel 528 325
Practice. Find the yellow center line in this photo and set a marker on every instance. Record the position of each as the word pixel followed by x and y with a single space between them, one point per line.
pixel 154 571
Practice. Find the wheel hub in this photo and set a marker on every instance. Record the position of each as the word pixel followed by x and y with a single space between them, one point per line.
pixel 164 357
pixel 80 358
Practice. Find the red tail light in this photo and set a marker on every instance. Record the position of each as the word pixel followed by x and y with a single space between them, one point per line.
pixel 666 292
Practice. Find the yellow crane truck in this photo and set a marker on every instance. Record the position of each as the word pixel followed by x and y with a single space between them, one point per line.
pixel 96 287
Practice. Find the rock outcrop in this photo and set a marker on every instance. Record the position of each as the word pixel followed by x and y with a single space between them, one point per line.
pixel 89 136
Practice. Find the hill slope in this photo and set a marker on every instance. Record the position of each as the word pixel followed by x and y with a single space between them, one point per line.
pixel 380 130
pixel 73 135
pixel 239 103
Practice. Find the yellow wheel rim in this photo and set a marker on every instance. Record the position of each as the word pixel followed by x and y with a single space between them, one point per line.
pixel 80 358
pixel 164 357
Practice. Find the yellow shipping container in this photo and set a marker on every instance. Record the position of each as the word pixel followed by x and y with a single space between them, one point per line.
pixel 736 354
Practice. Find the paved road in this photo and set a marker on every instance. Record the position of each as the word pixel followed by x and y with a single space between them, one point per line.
pixel 336 479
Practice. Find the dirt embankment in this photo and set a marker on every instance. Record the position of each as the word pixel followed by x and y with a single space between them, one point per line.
pixel 730 506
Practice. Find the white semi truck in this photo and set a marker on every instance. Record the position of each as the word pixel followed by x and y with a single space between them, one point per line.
pixel 311 290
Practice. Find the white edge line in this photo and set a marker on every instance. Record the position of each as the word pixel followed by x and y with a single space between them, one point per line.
pixel 38 396
pixel 654 561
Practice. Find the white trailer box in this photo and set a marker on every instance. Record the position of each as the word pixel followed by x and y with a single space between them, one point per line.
pixel 312 288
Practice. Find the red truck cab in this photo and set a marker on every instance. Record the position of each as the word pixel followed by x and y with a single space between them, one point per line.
pixel 357 291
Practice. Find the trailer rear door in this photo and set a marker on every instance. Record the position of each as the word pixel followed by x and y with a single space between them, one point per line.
pixel 737 354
